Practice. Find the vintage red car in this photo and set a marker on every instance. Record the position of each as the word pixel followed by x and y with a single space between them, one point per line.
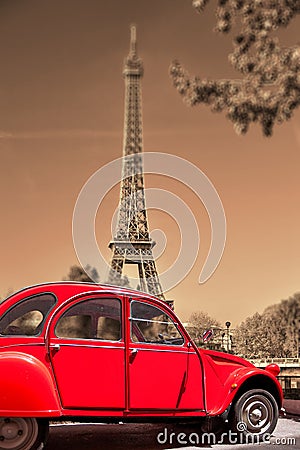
pixel 82 350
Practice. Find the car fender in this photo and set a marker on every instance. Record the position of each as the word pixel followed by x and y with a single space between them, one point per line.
pixel 244 379
pixel 26 387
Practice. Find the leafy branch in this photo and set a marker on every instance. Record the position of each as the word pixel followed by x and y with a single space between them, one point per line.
pixel 269 90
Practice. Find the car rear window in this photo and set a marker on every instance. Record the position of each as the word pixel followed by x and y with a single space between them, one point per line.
pixel 26 318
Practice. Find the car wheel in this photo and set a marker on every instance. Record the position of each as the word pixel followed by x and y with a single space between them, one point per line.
pixel 22 433
pixel 255 413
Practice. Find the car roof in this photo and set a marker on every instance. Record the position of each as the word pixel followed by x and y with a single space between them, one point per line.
pixel 64 290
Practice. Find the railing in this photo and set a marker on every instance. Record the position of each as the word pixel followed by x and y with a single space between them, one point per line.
pixel 282 362
pixel 290 385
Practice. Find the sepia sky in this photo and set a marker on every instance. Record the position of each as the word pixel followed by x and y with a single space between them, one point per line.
pixel 61 119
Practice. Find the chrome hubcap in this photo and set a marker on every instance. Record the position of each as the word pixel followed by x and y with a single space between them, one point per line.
pixel 257 414
pixel 10 430
pixel 17 433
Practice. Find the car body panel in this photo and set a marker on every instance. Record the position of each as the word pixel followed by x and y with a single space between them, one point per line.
pixel 225 375
pixel 162 387
pixel 49 375
pixel 99 366
pixel 26 386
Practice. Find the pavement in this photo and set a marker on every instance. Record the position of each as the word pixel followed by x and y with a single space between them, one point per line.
pixel 159 436
pixel 292 407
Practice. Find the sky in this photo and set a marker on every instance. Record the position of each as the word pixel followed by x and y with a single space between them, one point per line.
pixel 61 119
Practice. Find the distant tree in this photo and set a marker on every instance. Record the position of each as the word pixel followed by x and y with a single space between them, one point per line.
pixel 274 333
pixel 284 326
pixel 251 337
pixel 88 274
pixel 269 90
pixel 123 281
pixel 7 294
pixel 199 322
pixel 120 280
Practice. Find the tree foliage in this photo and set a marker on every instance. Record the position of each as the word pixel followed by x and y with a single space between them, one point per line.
pixel 88 274
pixel 269 90
pixel 119 280
pixel 199 322
pixel 273 334
pixel 7 294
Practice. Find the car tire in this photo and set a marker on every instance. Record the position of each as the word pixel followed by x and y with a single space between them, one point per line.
pixel 25 433
pixel 255 413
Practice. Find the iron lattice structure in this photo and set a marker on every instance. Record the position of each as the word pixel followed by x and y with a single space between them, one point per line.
pixel 132 243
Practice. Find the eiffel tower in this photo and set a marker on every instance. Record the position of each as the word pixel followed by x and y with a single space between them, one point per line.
pixel 132 243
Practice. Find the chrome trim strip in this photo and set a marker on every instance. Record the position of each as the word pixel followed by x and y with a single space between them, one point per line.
pixel 162 350
pixel 92 346
pixel 137 319
pixel 158 343
pixel 177 412
pixel 37 344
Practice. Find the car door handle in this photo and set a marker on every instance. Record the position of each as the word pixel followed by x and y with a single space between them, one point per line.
pixel 133 354
pixel 55 347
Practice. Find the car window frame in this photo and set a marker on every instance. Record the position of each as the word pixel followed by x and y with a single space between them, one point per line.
pixel 75 301
pixel 175 322
pixel 41 324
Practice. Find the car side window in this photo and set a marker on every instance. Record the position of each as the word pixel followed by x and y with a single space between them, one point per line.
pixel 97 318
pixel 152 325
pixel 26 318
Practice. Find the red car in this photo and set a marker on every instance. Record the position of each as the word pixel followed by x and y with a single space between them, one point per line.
pixel 81 350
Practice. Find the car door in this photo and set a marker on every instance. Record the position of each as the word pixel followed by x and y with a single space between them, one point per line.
pixel 86 345
pixel 164 369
